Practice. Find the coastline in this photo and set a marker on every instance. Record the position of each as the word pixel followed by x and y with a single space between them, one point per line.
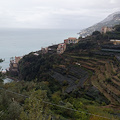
pixel 22 41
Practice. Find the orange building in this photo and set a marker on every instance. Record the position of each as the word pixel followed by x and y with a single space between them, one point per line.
pixel 17 59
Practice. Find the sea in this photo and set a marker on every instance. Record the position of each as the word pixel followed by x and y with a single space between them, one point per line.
pixel 19 42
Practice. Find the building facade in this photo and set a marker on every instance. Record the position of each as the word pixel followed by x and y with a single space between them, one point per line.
pixel 107 29
pixel 13 69
pixel 71 40
pixel 61 48
pixel 17 59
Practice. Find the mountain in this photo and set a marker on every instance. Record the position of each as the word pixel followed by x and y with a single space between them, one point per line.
pixel 110 21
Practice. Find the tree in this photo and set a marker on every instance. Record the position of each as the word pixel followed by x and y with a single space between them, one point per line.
pixel 56 97
pixel 117 28
pixel 1 60
pixel 35 108
pixel 14 111
pixel 96 33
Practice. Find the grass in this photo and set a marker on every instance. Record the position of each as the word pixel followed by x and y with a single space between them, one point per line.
pixel 116 78
pixel 113 69
pixel 105 112
pixel 113 89
pixel 116 82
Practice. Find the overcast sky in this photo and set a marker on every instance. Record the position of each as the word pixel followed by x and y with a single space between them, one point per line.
pixel 73 14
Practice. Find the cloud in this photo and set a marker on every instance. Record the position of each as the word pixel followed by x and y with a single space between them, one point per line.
pixel 55 13
pixel 113 1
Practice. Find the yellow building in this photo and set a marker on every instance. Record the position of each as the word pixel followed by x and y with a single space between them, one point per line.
pixel 115 42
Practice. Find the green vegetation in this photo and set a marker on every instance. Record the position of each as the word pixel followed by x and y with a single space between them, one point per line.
pixel 41 81
pixel 1 60
pixel 117 27
pixel 14 106
pixel 81 84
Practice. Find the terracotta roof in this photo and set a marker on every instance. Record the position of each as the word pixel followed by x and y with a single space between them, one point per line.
pixel 65 39
pixel 72 38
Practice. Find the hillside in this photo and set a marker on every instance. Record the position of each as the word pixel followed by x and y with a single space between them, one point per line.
pixel 110 21
pixel 83 83
pixel 84 71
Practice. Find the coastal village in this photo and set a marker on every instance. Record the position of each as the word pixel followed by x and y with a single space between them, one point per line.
pixel 60 60
pixel 59 49
pixel 82 67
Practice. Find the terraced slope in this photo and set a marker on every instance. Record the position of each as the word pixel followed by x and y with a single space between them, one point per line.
pixel 105 76
pixel 73 76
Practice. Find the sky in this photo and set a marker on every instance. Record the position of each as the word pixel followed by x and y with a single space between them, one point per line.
pixel 55 14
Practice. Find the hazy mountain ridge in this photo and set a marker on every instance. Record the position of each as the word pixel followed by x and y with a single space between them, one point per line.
pixel 110 21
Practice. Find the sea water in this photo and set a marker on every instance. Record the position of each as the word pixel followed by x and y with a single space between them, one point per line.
pixel 19 42
pixel 7 80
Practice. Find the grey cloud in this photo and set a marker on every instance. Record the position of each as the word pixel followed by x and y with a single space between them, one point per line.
pixel 55 13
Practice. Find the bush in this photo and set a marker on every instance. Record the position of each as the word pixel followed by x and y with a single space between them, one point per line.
pixel 108 80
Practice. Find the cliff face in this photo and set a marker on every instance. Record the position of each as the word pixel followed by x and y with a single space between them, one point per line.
pixel 110 21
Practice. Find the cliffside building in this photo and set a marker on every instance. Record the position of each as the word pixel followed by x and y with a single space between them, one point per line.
pixel 61 48
pixel 107 29
pixel 13 69
pixel 71 40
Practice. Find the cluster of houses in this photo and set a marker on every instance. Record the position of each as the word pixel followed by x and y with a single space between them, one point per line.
pixel 60 48
pixel 50 49
pixel 106 29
